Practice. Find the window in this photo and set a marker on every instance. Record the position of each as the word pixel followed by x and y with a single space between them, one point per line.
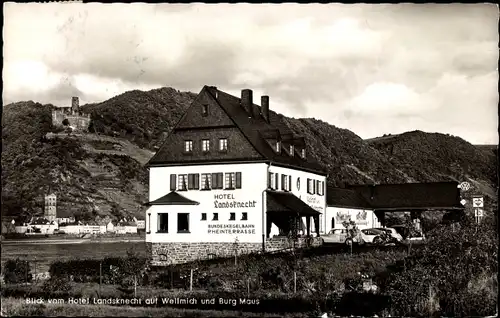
pixel 149 222
pixel 321 187
pixel 203 216
pixel 206 181
pixel 232 216
pixel 188 146
pixel 223 144
pixel 278 146
pixel 238 180
pixel 216 217
pixel 276 181
pixel 205 145
pixel 291 150
pixel 230 180
pixel 182 222
pixel 284 182
pixel 314 189
pixel 204 110
pixel 310 186
pixel 303 153
pixel 193 181
pixel 182 182
pixel 217 181
pixel 244 216
pixel 162 223
pixel 270 180
pixel 173 184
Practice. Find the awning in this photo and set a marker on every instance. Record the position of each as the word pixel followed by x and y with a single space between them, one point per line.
pixel 172 198
pixel 286 202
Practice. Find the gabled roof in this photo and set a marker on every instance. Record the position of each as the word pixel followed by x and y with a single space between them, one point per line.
pixel 40 221
pixel 287 202
pixel 173 198
pixel 339 197
pixel 254 127
pixel 433 195
pixel 255 130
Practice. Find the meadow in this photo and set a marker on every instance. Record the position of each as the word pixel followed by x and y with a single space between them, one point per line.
pixel 45 254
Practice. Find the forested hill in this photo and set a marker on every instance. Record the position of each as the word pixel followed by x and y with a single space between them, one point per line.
pixel 90 181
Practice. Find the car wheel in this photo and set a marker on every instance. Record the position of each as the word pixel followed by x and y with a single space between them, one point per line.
pixel 377 240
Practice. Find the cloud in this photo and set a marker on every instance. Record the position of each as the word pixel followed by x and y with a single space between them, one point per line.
pixel 342 63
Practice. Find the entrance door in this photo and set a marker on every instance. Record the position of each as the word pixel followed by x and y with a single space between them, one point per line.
pixel 333 223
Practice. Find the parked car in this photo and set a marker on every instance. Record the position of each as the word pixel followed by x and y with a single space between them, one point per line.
pixel 373 236
pixel 396 237
pixel 336 236
pixel 412 235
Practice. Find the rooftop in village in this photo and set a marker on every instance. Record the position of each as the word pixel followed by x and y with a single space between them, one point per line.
pixel 387 197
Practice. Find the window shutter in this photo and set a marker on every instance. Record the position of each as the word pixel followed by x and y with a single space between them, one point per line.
pixel 289 183
pixel 283 182
pixel 173 182
pixel 196 181
pixel 269 180
pixel 190 181
pixel 238 180
pixel 276 181
pixel 314 187
pixel 308 185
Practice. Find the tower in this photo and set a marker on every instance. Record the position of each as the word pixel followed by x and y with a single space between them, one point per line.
pixel 75 105
pixel 50 207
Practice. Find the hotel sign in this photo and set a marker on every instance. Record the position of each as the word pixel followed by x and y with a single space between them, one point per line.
pixel 231 228
pixel 227 201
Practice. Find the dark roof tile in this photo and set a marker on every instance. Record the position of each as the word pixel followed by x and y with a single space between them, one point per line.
pixel 287 202
pixel 434 195
pixel 340 197
pixel 173 198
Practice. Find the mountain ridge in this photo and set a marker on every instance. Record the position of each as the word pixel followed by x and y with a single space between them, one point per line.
pixel 33 164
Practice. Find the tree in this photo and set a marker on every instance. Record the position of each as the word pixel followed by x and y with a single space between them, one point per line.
pixel 65 122
pixel 454 274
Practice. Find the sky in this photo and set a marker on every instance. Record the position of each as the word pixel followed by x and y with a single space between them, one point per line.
pixel 371 68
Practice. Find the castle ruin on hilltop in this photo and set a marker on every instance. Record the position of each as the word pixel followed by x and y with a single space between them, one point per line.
pixel 77 120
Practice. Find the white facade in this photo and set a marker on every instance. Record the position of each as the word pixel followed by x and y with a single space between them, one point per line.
pixel 222 215
pixel 364 218
pixel 299 188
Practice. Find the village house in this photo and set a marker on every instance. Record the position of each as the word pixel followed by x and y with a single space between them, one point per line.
pixel 237 179
pixel 40 225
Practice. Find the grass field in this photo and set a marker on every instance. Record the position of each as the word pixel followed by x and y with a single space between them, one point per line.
pixel 45 254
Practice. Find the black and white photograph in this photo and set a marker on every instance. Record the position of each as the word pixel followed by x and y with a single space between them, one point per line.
pixel 250 160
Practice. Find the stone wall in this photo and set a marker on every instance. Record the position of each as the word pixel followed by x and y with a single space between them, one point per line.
pixel 79 122
pixel 163 254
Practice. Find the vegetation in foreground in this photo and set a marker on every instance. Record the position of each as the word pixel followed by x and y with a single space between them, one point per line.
pixel 453 275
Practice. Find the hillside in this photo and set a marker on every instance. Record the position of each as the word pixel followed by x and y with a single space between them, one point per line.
pixel 104 172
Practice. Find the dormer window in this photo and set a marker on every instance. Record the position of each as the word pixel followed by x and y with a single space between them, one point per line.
pixel 303 153
pixel 205 145
pixel 188 146
pixel 291 150
pixel 278 146
pixel 204 110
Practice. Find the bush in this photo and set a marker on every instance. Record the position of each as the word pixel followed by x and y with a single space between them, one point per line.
pixel 451 275
pixel 17 271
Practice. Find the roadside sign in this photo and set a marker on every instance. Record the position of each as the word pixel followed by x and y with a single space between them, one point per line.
pixel 465 186
pixel 463 201
pixel 478 212
pixel 477 202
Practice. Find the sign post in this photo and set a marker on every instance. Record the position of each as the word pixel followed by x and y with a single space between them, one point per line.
pixel 478 205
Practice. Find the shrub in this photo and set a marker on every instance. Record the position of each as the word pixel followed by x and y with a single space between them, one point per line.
pixel 17 271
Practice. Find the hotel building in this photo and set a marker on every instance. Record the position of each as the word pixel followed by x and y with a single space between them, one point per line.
pixel 231 177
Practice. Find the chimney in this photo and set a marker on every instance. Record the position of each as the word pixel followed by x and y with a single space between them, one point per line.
pixel 264 103
pixel 247 101
pixel 75 105
pixel 213 90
